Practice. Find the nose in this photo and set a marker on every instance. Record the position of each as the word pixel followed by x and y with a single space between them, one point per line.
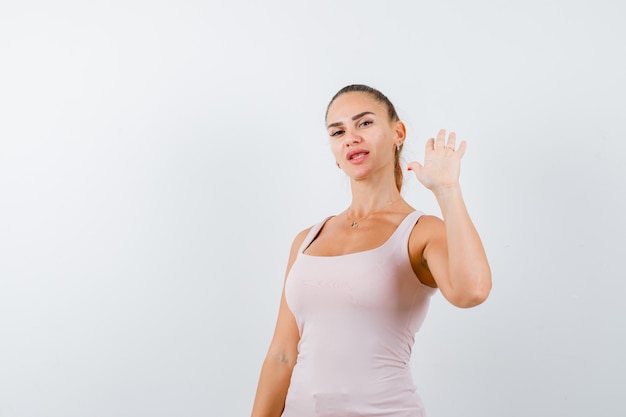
pixel 351 138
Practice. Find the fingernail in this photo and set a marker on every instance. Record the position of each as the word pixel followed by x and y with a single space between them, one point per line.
pixel 409 169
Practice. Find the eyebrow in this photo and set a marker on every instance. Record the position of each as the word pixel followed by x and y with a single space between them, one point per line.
pixel 355 117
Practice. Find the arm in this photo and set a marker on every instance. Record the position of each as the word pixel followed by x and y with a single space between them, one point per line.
pixel 281 356
pixel 453 251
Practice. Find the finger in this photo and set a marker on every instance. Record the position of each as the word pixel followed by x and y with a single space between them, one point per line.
pixel 414 166
pixel 451 141
pixel 440 143
pixel 461 150
pixel 430 144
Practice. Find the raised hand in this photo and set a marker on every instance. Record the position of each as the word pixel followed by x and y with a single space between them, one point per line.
pixel 442 162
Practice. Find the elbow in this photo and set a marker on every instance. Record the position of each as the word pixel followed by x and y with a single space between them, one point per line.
pixel 471 300
pixel 474 295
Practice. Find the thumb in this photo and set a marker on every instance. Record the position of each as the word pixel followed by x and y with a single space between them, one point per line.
pixel 415 167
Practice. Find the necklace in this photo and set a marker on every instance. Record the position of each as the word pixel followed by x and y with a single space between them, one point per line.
pixel 355 222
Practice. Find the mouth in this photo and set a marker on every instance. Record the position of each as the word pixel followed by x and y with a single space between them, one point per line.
pixel 357 155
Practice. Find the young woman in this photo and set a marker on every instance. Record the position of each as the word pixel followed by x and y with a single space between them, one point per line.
pixel 358 283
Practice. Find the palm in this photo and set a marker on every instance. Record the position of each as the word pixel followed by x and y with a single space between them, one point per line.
pixel 442 162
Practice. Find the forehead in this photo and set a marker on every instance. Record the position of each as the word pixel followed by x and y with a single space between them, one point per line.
pixel 355 102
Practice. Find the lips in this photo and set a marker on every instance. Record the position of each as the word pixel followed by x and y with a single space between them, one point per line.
pixel 356 155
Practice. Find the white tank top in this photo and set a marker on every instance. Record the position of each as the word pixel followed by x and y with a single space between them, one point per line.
pixel 357 315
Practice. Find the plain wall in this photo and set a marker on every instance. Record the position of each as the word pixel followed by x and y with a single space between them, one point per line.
pixel 157 159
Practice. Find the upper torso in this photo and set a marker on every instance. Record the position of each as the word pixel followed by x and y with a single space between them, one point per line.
pixel 357 314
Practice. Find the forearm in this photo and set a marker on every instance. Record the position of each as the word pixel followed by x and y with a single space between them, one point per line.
pixel 469 275
pixel 272 389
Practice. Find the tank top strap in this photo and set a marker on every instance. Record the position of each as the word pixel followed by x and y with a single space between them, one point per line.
pixel 310 237
pixel 403 232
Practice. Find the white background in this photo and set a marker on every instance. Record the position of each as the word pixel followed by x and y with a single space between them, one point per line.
pixel 157 159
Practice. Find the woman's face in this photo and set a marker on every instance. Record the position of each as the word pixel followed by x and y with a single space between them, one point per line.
pixel 362 138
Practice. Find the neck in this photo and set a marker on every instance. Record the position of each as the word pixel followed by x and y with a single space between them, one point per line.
pixel 370 195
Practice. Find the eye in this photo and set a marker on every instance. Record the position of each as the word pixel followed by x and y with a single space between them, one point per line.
pixel 365 123
pixel 336 133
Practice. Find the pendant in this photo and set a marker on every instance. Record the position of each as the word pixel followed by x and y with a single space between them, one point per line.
pixel 355 225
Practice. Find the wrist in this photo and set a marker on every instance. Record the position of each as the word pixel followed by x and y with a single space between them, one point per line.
pixel 446 190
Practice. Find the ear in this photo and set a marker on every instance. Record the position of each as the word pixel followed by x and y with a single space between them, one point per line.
pixel 400 131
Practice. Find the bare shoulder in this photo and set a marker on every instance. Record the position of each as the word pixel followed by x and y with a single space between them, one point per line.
pixel 427 226
pixel 297 241
pixel 295 246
